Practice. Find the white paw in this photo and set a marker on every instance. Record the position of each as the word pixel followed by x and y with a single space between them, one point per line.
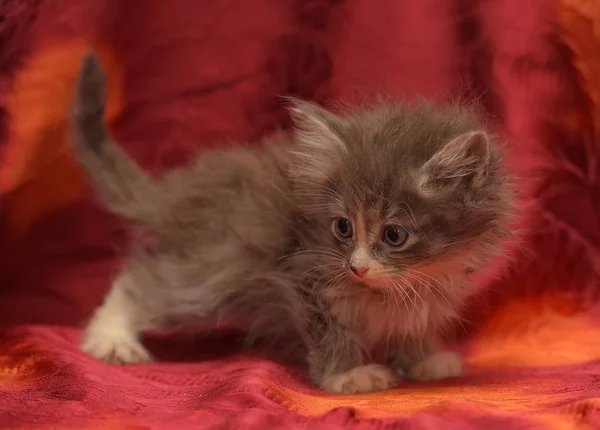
pixel 115 347
pixel 362 379
pixel 437 366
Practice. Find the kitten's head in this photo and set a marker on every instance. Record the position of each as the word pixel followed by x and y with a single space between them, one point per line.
pixel 401 195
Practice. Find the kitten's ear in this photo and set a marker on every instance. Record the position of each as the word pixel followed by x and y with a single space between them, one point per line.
pixel 316 127
pixel 465 160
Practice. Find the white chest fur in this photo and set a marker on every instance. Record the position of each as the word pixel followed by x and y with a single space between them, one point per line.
pixel 376 318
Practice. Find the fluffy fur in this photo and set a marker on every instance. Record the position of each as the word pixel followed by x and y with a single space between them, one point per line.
pixel 356 238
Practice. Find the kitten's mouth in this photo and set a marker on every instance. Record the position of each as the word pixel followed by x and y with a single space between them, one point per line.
pixel 372 282
pixel 378 283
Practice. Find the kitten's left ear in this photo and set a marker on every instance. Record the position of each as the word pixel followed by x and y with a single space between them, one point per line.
pixel 317 127
pixel 465 160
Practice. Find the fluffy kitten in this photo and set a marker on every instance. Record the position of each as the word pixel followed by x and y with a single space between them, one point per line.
pixel 357 237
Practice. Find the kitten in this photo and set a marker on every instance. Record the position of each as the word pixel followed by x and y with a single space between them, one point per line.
pixel 357 237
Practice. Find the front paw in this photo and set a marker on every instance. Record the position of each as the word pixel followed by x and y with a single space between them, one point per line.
pixel 437 366
pixel 362 379
pixel 115 347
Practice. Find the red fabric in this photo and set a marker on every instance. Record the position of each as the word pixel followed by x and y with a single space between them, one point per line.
pixel 189 74
pixel 49 383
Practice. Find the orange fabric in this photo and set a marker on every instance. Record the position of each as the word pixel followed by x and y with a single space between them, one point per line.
pixel 535 333
pixel 581 22
pixel 533 360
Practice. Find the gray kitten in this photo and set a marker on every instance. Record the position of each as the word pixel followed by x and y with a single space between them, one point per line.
pixel 356 238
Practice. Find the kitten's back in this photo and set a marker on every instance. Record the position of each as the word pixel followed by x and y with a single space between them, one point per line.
pixel 234 198
pixel 238 195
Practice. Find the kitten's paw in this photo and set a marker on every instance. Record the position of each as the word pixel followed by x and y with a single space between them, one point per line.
pixel 115 348
pixel 362 379
pixel 437 366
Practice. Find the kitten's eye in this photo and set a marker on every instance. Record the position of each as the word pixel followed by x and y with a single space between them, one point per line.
pixel 342 228
pixel 395 236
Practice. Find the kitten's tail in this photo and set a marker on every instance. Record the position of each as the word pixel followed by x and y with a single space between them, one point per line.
pixel 125 188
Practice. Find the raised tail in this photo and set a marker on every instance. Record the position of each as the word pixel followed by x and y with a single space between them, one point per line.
pixel 123 186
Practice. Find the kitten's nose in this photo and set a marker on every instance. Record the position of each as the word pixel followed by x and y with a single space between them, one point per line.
pixel 359 270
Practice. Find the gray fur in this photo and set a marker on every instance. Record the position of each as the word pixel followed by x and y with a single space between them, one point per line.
pixel 246 233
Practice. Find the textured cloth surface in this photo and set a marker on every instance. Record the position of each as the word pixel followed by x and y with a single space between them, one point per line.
pixel 191 74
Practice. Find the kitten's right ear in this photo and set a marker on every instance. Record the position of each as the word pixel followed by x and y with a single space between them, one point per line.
pixel 316 127
pixel 465 160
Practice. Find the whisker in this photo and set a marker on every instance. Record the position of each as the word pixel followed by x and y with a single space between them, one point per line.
pixel 341 275
pixel 320 267
pixel 414 290
pixel 393 292
pixel 429 286
pixel 325 252
pixel 401 289
pixel 441 290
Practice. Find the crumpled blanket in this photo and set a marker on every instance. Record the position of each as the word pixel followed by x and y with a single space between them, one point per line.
pixel 188 74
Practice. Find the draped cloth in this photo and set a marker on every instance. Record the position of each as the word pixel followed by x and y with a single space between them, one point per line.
pixel 186 75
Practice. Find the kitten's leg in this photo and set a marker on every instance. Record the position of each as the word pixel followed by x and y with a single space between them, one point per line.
pixel 112 333
pixel 406 354
pixel 336 362
pixel 420 361
pixel 437 366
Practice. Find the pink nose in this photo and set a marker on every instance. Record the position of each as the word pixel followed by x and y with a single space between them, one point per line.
pixel 359 271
